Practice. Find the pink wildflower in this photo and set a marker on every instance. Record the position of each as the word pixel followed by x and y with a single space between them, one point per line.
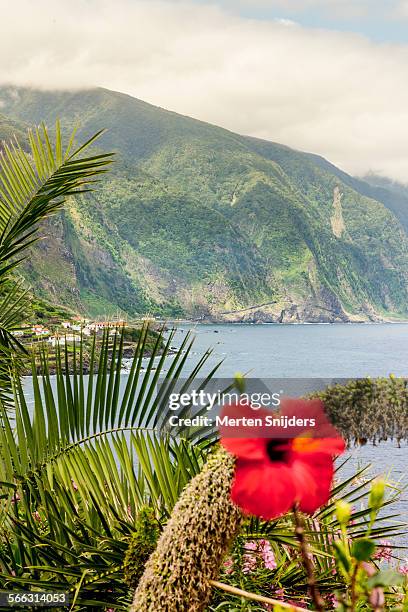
pixel 377 599
pixel 384 551
pixel 369 568
pixel 228 565
pixel 261 550
pixel 250 560
pixel 403 569
pixel 332 601
pixel 267 554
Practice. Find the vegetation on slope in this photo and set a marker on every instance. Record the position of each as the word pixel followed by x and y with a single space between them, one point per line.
pixel 202 222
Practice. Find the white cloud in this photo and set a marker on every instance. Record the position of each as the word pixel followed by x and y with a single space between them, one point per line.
pixel 402 8
pixel 286 22
pixel 336 94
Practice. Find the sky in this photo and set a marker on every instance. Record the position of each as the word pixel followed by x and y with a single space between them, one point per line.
pixel 380 20
pixel 325 76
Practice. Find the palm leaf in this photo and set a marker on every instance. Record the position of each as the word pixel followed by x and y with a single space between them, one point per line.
pixel 33 186
pixel 82 461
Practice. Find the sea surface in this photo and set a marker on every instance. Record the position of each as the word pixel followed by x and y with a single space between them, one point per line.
pixel 303 351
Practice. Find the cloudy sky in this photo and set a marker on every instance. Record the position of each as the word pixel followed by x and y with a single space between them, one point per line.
pixel 327 76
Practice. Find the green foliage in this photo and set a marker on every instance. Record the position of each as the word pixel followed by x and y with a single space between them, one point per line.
pixel 362 549
pixel 369 409
pixel 39 309
pixel 133 334
pixel 142 543
pixel 77 468
pixel 11 129
pixel 266 559
pixel 364 583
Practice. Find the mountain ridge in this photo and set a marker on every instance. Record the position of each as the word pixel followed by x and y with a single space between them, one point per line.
pixel 196 221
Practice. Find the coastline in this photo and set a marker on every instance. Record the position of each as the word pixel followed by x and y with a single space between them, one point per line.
pixel 214 321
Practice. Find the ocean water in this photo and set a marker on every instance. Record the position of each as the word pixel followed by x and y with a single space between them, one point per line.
pixel 303 351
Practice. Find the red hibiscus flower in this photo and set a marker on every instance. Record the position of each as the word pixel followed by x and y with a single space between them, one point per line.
pixel 280 467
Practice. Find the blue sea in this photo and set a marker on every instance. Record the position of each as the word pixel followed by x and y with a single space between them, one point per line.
pixel 303 351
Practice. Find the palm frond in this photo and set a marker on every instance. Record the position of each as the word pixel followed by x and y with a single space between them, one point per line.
pixel 33 186
pixel 82 459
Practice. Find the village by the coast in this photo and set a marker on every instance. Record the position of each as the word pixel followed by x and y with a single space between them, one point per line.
pixel 63 332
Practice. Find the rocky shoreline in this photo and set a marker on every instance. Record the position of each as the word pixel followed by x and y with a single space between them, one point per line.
pixel 291 316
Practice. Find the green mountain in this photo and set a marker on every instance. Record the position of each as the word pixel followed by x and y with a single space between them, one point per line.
pixel 197 221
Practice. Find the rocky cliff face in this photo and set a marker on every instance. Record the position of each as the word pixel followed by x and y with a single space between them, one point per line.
pixel 197 221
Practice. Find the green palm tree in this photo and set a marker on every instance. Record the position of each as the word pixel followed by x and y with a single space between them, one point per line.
pixel 34 184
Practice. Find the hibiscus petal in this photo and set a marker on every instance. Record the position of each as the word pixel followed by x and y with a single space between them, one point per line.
pixel 312 477
pixel 309 409
pixel 263 489
pixel 244 415
pixel 246 448
pixel 329 446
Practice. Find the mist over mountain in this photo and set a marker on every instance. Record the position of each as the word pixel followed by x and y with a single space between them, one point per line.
pixel 196 221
